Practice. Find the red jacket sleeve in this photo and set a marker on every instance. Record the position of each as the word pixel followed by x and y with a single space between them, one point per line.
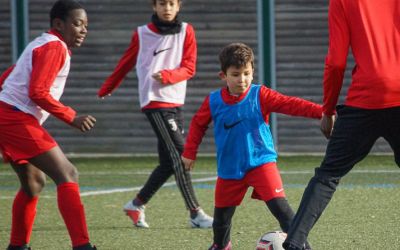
pixel 4 76
pixel 197 129
pixel 335 62
pixel 187 67
pixel 273 101
pixel 47 62
pixel 125 64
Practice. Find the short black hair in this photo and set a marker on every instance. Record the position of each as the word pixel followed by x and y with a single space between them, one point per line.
pixel 155 1
pixel 61 9
pixel 236 54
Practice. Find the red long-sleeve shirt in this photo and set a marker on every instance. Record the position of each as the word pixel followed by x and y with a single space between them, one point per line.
pixel 371 29
pixel 270 101
pixel 186 70
pixel 47 61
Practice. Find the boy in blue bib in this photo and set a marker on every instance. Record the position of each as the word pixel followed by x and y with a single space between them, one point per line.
pixel 245 150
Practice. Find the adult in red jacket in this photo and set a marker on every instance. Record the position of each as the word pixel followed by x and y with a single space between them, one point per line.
pixel 372 106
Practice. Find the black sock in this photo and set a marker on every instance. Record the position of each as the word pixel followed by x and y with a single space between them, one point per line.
pixel 137 202
pixel 222 225
pixel 194 212
pixel 282 211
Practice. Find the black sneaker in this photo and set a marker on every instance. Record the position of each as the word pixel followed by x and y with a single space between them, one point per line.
pixel 88 246
pixel 288 246
pixel 24 247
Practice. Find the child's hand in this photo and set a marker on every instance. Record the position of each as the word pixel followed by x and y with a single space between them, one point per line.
pixel 84 123
pixel 157 76
pixel 104 91
pixel 188 163
pixel 104 96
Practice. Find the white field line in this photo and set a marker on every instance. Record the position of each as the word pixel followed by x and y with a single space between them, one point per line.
pixel 124 173
pixel 120 190
pixel 168 184
pixel 288 172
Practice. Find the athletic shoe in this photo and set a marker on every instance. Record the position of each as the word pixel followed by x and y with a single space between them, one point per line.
pixel 24 247
pixel 307 246
pixel 227 247
pixel 288 246
pixel 136 213
pixel 202 220
pixel 87 246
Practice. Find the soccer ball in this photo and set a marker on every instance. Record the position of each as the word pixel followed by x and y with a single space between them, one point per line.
pixel 271 241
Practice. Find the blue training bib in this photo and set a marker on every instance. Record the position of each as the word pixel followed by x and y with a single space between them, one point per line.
pixel 242 137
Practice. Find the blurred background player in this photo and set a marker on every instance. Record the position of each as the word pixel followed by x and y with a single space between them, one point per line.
pixel 30 91
pixel 372 107
pixel 245 150
pixel 165 53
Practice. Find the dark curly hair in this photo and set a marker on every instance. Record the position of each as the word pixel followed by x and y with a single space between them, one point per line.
pixel 61 9
pixel 236 54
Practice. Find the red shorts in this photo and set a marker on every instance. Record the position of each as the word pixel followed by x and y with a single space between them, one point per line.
pixel 21 135
pixel 265 180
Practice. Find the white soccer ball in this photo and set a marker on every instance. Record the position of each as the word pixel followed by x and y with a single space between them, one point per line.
pixel 271 241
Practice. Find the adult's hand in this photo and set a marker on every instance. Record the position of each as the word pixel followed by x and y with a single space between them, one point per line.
pixel 327 123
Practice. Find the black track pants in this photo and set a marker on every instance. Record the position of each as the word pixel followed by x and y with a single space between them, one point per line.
pixel 168 126
pixel 354 134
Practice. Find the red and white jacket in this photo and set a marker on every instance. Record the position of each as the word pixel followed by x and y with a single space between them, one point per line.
pixel 174 55
pixel 36 82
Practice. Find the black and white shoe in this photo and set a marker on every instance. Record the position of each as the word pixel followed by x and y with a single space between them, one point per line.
pixel 24 247
pixel 88 246
pixel 202 220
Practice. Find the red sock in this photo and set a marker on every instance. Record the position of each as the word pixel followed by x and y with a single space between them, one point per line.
pixel 71 209
pixel 23 216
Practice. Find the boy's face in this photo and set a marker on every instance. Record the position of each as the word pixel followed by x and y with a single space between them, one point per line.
pixel 167 10
pixel 238 79
pixel 74 28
